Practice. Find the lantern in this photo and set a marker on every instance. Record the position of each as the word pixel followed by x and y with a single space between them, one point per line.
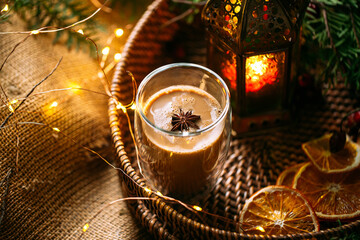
pixel 250 45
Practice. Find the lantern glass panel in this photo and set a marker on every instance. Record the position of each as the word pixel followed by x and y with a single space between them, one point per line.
pixel 264 82
pixel 224 62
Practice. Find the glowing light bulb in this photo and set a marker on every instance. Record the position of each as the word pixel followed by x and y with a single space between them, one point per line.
pixel 147 190
pixel 133 106
pixel 117 57
pixel 5 9
pixel 53 105
pixel 260 228
pixel 11 109
pixel 74 87
pixel 159 194
pixel 86 227
pixel 56 129
pixel 100 74
pixel 81 31
pixel 34 32
pixel 119 32
pixel 120 106
pixel 197 208
pixel 105 50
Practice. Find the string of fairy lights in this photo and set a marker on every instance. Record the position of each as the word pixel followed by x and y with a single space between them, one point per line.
pixel 105 68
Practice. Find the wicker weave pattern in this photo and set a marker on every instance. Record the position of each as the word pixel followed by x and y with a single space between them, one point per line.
pixel 253 162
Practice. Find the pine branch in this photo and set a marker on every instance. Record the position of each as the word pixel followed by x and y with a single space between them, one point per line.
pixel 334 33
pixel 57 13
pixel 354 28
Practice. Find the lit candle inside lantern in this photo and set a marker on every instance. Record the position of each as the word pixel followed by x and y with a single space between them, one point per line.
pixel 260 70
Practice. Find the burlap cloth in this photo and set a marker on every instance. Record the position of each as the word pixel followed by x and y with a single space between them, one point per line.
pixel 54 186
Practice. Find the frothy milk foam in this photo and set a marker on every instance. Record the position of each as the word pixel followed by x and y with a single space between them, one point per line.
pixel 162 105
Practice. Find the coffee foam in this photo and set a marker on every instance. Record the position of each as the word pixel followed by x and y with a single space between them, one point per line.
pixel 162 116
pixel 162 119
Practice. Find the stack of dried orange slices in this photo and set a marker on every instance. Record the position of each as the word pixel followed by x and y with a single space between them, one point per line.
pixel 325 188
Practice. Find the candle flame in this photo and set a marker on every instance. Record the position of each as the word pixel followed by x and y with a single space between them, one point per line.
pixel 261 70
pixel 258 67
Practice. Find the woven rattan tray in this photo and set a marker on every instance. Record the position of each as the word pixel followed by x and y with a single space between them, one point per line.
pixel 253 162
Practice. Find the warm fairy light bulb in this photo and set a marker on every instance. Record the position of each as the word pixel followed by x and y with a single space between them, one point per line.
pixel 11 109
pixel 105 51
pixel 159 194
pixel 81 31
pixel 5 9
pixel 148 190
pixel 34 32
pixel 117 57
pixel 120 106
pixel 133 106
pixel 86 227
pixel 56 129
pixel 260 228
pixel 100 74
pixel 119 32
pixel 74 87
pixel 53 105
pixel 197 208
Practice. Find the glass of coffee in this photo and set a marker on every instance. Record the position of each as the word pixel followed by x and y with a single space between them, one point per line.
pixel 182 129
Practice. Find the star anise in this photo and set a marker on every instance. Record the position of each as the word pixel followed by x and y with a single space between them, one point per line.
pixel 183 121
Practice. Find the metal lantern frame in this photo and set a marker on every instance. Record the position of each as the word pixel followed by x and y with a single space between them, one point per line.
pixel 240 29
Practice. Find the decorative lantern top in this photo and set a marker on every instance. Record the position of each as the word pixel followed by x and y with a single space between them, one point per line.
pixel 248 26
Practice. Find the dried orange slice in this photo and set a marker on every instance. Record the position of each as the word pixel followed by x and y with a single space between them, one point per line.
pixel 333 196
pixel 286 177
pixel 318 151
pixel 278 210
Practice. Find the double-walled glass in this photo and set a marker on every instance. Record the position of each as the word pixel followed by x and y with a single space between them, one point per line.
pixel 182 163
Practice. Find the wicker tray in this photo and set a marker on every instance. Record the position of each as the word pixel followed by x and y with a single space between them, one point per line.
pixel 253 162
